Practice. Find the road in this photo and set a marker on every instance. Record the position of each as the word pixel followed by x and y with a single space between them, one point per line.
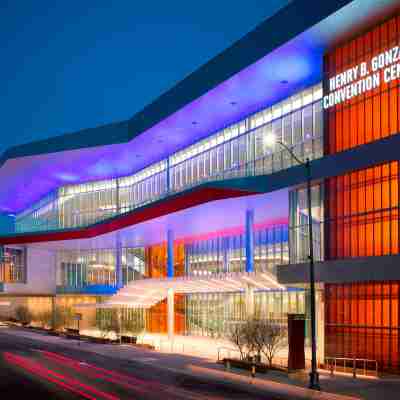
pixel 34 369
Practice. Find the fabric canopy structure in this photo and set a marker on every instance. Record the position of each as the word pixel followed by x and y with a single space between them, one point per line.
pixel 145 293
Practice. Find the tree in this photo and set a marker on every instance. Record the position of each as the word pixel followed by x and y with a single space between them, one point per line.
pixel 273 336
pixel 23 315
pixel 237 336
pixel 258 336
pixel 255 335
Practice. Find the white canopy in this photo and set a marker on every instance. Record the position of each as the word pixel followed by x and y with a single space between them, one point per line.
pixel 145 293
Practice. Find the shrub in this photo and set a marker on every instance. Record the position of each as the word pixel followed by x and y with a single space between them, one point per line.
pixel 44 318
pixel 62 317
pixel 23 315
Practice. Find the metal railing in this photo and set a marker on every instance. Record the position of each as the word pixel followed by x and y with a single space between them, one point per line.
pixel 355 366
pixel 250 165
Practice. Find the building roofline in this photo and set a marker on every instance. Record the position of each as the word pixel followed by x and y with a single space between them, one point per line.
pixel 244 52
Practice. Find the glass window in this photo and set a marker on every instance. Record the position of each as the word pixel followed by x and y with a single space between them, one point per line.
pixel 230 148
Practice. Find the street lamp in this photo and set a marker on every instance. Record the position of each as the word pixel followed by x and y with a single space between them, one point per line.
pixel 270 140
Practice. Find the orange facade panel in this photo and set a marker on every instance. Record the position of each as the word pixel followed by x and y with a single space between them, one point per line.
pixel 156 267
pixel 362 321
pixel 362 213
pixel 374 114
pixel 362 207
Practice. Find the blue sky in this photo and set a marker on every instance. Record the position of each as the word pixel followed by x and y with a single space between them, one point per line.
pixel 71 65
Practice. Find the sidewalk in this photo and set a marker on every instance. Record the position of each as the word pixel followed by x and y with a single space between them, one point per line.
pixel 273 383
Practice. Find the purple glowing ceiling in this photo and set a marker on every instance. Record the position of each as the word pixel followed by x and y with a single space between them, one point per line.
pixel 297 62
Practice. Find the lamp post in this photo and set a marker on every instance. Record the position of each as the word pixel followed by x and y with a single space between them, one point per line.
pixel 314 376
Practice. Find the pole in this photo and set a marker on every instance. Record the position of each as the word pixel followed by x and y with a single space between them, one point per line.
pixel 314 377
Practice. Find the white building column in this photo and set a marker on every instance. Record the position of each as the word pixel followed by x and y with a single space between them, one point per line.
pixel 249 299
pixel 170 314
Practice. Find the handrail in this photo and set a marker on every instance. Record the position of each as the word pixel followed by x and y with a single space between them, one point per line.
pixel 332 363
pixel 277 161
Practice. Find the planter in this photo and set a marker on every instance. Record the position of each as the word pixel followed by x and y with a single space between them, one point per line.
pixel 71 331
pixel 98 340
pixel 128 339
pixel 144 346
pixel 246 365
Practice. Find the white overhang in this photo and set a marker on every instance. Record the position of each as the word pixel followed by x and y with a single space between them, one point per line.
pixel 145 293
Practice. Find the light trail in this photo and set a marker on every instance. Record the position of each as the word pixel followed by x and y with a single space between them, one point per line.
pixel 64 381
pixel 127 381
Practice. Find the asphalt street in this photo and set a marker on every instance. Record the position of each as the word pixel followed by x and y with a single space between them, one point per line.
pixel 46 371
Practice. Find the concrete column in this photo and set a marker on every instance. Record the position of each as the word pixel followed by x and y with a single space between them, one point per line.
pixel 170 254
pixel 249 298
pixel 118 262
pixel 170 314
pixel 249 238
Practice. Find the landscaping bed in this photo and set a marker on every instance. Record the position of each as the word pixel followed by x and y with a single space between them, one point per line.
pixel 144 346
pixel 128 339
pixel 246 365
pixel 52 332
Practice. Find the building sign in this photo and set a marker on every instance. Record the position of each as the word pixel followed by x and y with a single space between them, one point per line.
pixel 363 77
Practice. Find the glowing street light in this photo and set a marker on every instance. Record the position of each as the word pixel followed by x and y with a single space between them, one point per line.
pixel 271 140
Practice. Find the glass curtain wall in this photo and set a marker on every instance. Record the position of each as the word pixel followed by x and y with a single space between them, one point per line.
pixel 85 204
pixel 228 254
pixel 41 216
pixel 213 314
pixel 240 149
pixel 132 319
pixel 80 269
pixel 12 265
pixel 298 229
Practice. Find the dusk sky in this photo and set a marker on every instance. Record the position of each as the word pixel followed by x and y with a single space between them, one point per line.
pixel 73 65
